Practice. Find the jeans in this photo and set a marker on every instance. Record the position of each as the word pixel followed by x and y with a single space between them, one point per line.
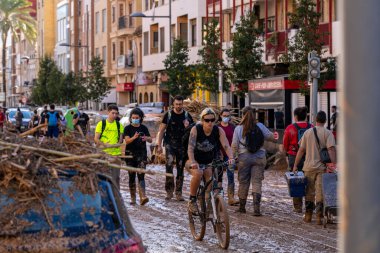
pixel 174 153
pixel 137 163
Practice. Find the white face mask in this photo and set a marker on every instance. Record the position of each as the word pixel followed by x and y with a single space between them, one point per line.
pixel 225 119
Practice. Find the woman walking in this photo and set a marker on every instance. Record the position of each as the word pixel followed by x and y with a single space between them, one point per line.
pixel 248 142
pixel 136 135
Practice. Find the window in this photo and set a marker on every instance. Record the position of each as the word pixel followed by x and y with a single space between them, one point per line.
pixel 140 98
pixel 97 22
pixel 183 31
pixel 151 97
pixel 146 43
pixel 113 14
pixel 104 19
pixel 79 7
pixel 104 54
pixel 155 39
pixel 193 32
pixel 162 39
pixel 129 14
pixel 96 51
pixel 146 5
pixel 173 33
pixel 121 48
pixel 121 10
pixel 113 51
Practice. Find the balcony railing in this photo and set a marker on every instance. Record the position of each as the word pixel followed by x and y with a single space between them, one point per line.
pixel 126 22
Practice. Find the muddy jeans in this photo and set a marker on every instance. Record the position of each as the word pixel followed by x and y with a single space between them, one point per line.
pixel 173 152
pixel 137 163
pixel 314 186
pixel 250 170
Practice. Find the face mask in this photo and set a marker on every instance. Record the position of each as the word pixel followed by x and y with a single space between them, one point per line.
pixel 226 119
pixel 135 121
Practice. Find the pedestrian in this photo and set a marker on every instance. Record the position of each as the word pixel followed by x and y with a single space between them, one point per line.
pixel 333 120
pixel 34 122
pixel 109 132
pixel 205 143
pixel 229 106
pixel 43 119
pixel 136 135
pixel 313 166
pixel 228 128
pixel 18 117
pixel 2 119
pixel 292 136
pixel 63 122
pixel 82 122
pixel 171 130
pixel 247 142
pixel 52 120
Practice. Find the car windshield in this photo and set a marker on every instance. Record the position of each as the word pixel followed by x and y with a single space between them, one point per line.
pixel 69 210
pixel 26 114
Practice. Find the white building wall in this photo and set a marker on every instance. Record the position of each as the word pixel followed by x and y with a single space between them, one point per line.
pixel 193 10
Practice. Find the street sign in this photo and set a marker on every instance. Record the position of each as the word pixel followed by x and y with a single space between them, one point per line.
pixel 2 96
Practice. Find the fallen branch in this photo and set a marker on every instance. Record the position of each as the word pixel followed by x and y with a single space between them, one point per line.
pixel 79 157
pixel 32 131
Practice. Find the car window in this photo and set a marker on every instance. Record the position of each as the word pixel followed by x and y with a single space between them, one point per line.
pixel 26 114
pixel 70 210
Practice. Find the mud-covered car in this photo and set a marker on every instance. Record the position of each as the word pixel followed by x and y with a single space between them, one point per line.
pixel 68 219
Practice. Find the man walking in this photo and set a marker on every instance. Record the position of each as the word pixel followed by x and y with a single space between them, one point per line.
pixel 82 121
pixel 171 130
pixel 293 134
pixel 109 132
pixel 52 120
pixel 313 166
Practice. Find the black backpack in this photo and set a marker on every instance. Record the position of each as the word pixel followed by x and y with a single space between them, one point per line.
pixel 254 140
pixel 104 123
pixel 185 140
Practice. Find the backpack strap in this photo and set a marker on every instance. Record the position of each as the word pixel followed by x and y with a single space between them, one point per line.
pixel 169 117
pixel 297 126
pixel 104 123
pixel 316 136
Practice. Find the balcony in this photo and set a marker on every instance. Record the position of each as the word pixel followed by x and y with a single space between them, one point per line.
pixel 126 25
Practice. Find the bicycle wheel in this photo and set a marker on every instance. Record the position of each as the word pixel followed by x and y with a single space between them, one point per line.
pixel 198 222
pixel 222 223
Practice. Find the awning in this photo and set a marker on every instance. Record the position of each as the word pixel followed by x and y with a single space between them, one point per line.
pixel 110 98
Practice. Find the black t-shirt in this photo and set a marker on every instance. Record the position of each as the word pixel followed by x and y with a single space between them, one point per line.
pixel 207 147
pixel 43 116
pixel 175 128
pixel 136 147
pixel 82 121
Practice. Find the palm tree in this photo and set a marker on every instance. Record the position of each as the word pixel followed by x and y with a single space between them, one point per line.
pixel 15 19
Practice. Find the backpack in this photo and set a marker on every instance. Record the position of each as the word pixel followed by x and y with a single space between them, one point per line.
pixel 104 123
pixel 254 140
pixel 301 131
pixel 53 121
pixel 185 140
pixel 169 128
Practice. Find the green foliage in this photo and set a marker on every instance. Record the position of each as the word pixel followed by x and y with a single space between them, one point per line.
pixel 211 61
pixel 306 19
pixel 15 19
pixel 97 86
pixel 246 53
pixel 181 76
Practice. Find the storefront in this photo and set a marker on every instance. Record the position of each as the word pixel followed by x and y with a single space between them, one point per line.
pixel 276 98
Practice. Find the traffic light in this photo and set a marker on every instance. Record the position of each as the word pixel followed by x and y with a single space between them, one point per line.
pixel 314 66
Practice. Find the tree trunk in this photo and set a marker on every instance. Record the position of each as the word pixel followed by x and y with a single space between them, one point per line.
pixel 3 70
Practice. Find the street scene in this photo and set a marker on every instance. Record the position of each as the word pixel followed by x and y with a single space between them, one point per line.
pixel 189 126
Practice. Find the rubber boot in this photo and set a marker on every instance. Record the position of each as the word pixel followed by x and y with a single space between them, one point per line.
pixel 242 203
pixel 309 211
pixel 256 204
pixel 231 199
pixel 297 205
pixel 143 198
pixel 133 195
pixel 319 212
pixel 178 189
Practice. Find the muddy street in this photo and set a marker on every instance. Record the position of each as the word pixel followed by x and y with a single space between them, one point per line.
pixel 164 227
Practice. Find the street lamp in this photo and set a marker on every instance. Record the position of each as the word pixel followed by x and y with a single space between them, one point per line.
pixel 142 15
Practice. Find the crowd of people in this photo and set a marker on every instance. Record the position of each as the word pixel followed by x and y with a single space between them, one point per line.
pixel 212 138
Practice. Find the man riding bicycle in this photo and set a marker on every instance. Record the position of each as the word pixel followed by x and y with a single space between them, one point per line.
pixel 205 143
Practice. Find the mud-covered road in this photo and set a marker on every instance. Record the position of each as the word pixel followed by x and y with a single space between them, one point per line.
pixel 164 227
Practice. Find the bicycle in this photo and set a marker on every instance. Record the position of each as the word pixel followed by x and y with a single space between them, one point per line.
pixel 220 218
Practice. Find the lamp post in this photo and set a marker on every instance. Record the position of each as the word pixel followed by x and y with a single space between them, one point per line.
pixel 142 15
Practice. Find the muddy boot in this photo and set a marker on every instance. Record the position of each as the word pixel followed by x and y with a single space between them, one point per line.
pixel 309 211
pixel 319 212
pixel 297 205
pixel 169 196
pixel 231 199
pixel 242 203
pixel 256 204
pixel 143 198
pixel 133 195
pixel 178 189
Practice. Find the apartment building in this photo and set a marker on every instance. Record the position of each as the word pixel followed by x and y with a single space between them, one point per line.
pixel 46 27
pixel 186 20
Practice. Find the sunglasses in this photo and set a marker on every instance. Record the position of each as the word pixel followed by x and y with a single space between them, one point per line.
pixel 209 120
